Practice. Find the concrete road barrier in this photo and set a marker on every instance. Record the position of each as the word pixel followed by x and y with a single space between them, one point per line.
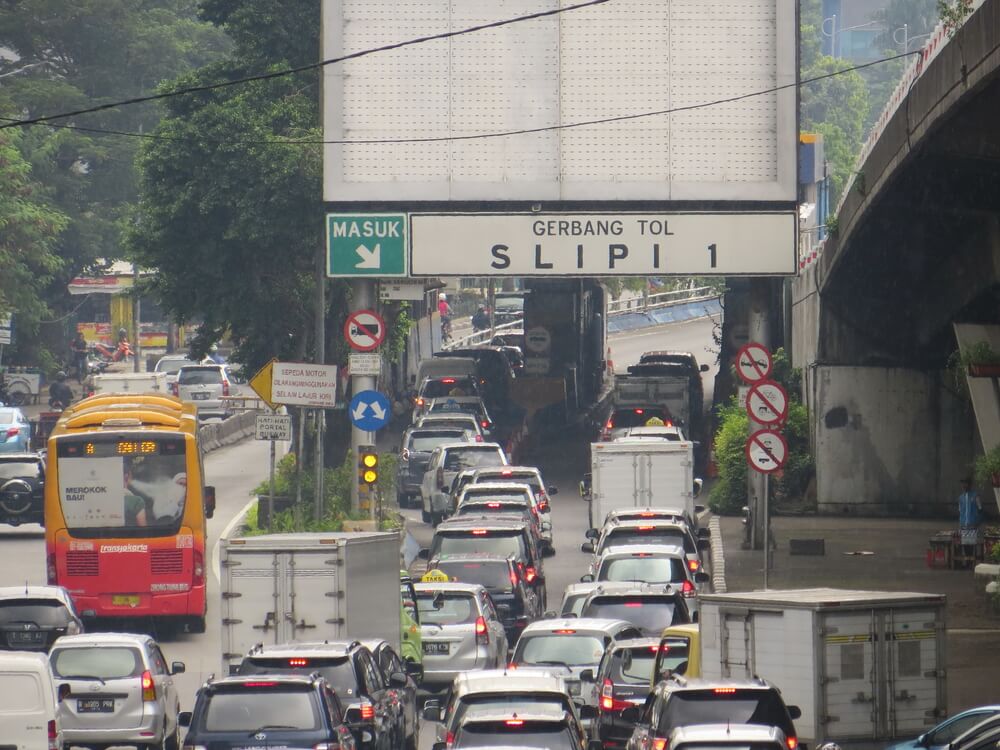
pixel 215 435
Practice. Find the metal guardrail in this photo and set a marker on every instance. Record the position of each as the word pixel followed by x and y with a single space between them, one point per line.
pixel 482 337
pixel 662 299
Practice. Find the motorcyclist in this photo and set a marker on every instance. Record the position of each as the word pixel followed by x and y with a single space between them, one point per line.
pixel 60 394
pixel 481 319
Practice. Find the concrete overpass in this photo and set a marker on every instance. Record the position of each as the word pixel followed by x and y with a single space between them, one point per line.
pixel 916 250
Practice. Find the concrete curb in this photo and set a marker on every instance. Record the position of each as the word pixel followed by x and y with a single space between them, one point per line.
pixel 718 557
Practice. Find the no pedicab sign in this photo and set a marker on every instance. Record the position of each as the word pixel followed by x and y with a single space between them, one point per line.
pixel 767 403
pixel 753 363
pixel 766 451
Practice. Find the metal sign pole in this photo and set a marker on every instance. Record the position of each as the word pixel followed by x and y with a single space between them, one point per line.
pixel 298 466
pixel 767 528
pixel 270 492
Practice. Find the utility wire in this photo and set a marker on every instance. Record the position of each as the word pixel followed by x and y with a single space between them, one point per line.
pixel 479 136
pixel 302 68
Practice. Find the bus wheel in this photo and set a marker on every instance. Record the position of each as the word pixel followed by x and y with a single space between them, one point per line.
pixel 196 625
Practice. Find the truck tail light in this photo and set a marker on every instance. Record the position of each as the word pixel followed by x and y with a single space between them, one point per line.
pixel 148 688
pixel 51 570
pixel 687 590
pixel 530 574
pixel 482 634
pixel 659 743
pixel 225 387
pixel 367 711
pixel 53 735
pixel 543 506
pixel 199 568
pixel 694 566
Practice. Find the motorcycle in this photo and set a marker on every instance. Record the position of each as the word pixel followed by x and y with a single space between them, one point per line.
pixel 106 353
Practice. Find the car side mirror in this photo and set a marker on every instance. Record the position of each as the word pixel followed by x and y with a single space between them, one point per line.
pixel 699 509
pixel 63 692
pixel 209 495
pixel 704 544
pixel 794 712
pixel 595 745
pixel 587 711
pixel 587 675
pixel 587 547
pixel 704 533
pixel 701 577
pixel 415 669
pixel 553 490
pixel 424 553
pixel 631 715
pixel 586 578
pixel 703 368
pixel 398 680
pixel 432 711
pixel 592 534
pixel 548 551
pixel 177 667
pixel 184 718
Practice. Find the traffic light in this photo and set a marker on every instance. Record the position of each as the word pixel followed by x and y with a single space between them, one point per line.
pixel 367 464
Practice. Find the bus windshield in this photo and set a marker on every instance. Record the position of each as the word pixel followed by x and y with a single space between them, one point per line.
pixel 106 482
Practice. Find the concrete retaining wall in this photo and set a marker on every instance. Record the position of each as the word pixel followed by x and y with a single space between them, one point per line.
pixel 218 434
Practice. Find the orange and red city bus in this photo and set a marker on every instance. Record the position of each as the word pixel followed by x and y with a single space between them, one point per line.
pixel 126 508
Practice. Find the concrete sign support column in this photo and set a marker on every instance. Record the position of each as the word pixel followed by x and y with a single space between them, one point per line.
pixel 362 298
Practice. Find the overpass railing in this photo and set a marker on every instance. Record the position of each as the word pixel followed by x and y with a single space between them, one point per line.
pixel 661 299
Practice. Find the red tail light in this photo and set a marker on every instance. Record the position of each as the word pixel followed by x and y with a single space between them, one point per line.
pixel 479 438
pixel 367 711
pixel 50 568
pixel 694 566
pixel 419 402
pixel 199 568
pixel 724 691
pixel 514 722
pixel 492 505
pixel 225 387
pixel 668 423
pixel 530 574
pixel 448 381
pixel 148 688
pixel 298 662
pixel 638 411
pixel 543 506
pixel 645 528
pixel 609 425
pixel 479 532
pixel 485 424
pixel 791 742
pixel 564 631
pixel 687 589
pixel 659 743
pixel 53 735
pixel 608 702
pixel 12 431
pixel 449 740
pixel 270 683
pixel 482 634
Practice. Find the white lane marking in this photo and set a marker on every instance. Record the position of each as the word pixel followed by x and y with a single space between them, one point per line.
pixel 216 552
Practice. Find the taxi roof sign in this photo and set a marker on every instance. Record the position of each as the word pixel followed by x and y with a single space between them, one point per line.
pixel 435 576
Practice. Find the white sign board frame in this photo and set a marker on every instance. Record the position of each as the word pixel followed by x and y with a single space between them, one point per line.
pixel 304 384
pixel 392 291
pixel 719 243
pixel 273 427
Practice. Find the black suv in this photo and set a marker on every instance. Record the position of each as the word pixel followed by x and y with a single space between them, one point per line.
pixel 501 577
pixel 650 607
pixel 281 711
pixel 498 536
pixel 680 702
pixel 373 710
pixel 22 485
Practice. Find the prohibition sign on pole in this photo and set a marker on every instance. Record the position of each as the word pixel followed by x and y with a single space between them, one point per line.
pixel 767 403
pixel 766 451
pixel 753 363
pixel 364 330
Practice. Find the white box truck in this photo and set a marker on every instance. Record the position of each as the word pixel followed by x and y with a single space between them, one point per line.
pixel 641 474
pixel 130 382
pixel 864 667
pixel 283 588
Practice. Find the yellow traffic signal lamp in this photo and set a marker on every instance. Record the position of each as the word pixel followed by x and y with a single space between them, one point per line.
pixel 367 464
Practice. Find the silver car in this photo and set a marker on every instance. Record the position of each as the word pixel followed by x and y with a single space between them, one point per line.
pixel 500 491
pixel 121 690
pixel 207 387
pixel 445 462
pixel 460 629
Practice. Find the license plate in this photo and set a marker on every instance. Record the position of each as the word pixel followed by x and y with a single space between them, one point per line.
pixel 199 396
pixel 95 705
pixel 124 601
pixel 26 636
pixel 436 648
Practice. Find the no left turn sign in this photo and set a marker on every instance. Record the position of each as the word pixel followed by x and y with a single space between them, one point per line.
pixel 766 451
pixel 753 363
pixel 364 330
pixel 767 403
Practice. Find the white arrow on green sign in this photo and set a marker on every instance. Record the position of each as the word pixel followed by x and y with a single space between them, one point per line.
pixel 366 244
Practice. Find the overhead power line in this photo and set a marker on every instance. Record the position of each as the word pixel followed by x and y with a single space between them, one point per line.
pixel 301 68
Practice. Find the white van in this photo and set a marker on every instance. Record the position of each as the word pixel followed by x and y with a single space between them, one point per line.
pixel 435 366
pixel 28 719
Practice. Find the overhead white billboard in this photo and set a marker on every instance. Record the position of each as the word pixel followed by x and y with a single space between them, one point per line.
pixel 420 122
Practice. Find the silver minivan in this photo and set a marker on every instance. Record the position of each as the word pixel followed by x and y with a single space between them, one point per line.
pixel 120 690
pixel 447 461
pixel 206 386
pixel 460 630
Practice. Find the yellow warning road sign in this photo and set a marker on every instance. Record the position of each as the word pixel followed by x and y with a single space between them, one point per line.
pixel 261 383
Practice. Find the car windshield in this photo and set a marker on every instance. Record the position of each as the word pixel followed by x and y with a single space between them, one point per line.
pixel 501 543
pixel 529 479
pixel 674 654
pixel 471 458
pixel 652 535
pixel 551 735
pixel 508 304
pixel 643 567
pixel 724 706
pixel 254 709
pixel 523 700
pixel 482 506
pixel 633 666
pixel 493 574
pixel 468 423
pixel 484 493
pixel 427 443
pixel 637 417
pixel 19 469
pixel 446 608
pixel 100 662
pixel 650 614
pixel 200 376
pixel 570 648
pixel 338 671
pixel 107 490
pixel 46 613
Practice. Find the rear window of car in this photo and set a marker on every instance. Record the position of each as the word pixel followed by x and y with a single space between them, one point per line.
pixel 653 535
pixel 569 647
pixel 20 469
pixel 171 365
pixel 509 304
pixel 479 506
pixel 725 705
pixel 96 662
pixel 493 574
pixel 637 417
pixel 338 671
pixel 649 614
pixel 6 416
pixel 427 443
pixel 552 735
pixel 528 478
pixel 471 458
pixel 448 387
pixel 644 568
pixel 42 612
pixel 251 709
pixel 494 493
pixel 466 423
pixel 446 608
pixel 200 376
pixel 503 543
